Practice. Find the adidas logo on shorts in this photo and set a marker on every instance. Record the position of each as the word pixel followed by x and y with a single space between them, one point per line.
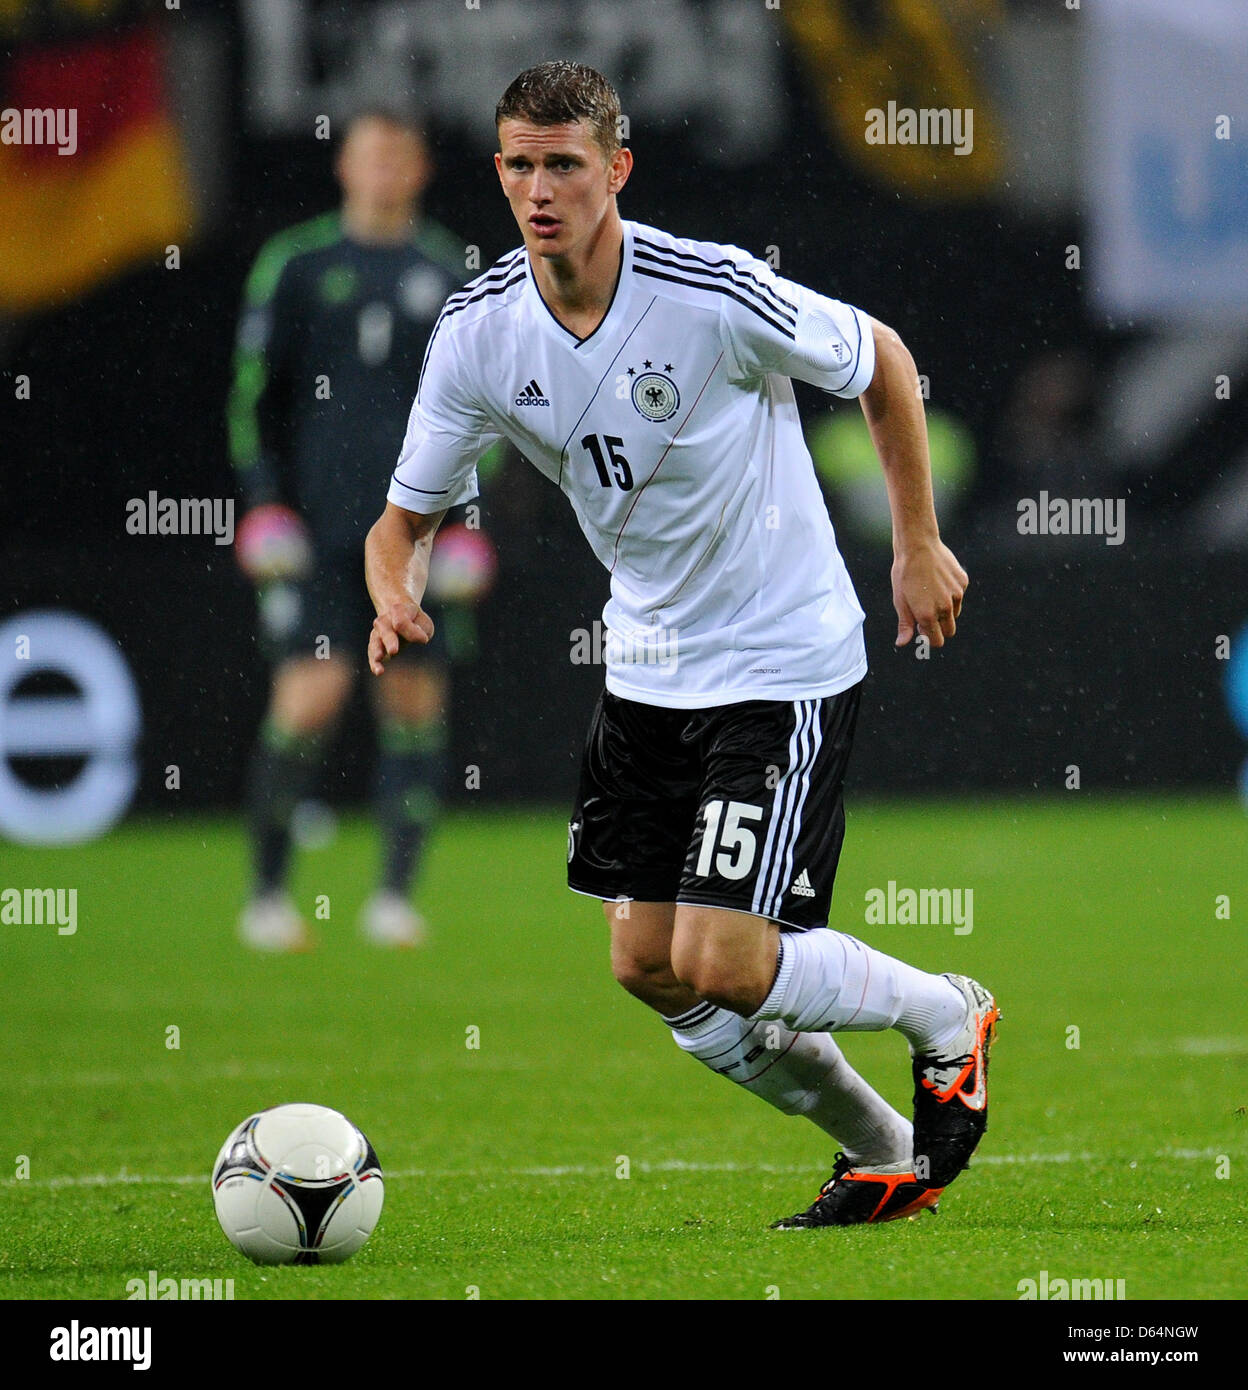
pixel 801 886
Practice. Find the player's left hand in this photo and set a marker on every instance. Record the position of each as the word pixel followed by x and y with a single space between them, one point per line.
pixel 928 585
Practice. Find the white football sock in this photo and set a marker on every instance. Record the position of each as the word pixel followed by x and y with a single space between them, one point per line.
pixel 800 1074
pixel 827 981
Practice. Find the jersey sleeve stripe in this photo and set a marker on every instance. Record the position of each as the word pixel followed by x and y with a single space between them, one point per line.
pixel 858 354
pixel 483 292
pixel 500 270
pixel 785 314
pixel 750 304
pixel 449 309
pixel 426 491
pixel 424 361
pixel 738 273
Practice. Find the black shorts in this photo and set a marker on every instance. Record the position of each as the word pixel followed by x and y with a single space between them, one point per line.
pixel 329 614
pixel 739 806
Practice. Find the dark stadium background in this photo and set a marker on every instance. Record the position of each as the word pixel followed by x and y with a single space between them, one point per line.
pixel 1070 653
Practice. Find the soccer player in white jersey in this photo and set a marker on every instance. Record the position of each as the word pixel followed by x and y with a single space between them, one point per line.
pixel 648 377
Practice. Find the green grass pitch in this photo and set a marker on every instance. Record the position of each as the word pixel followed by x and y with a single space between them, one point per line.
pixel 1123 1157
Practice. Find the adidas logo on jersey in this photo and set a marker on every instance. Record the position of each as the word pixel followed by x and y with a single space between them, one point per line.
pixel 532 395
pixel 801 886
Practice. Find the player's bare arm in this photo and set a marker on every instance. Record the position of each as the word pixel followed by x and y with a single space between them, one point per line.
pixel 928 581
pixel 396 567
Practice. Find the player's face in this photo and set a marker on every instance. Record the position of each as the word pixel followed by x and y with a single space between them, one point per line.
pixel 382 167
pixel 558 181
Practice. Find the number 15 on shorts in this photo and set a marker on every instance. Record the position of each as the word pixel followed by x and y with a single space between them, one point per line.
pixel 729 846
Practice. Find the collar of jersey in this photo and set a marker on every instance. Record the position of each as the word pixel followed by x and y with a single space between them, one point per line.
pixel 583 347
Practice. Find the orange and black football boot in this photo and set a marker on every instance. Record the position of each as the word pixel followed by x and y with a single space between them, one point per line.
pixel 951 1090
pixel 858 1196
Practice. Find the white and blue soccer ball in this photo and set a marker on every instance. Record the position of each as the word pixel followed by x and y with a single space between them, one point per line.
pixel 297 1184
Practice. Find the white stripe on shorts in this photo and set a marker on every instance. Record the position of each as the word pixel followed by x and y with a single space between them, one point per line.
pixel 816 735
pixel 769 885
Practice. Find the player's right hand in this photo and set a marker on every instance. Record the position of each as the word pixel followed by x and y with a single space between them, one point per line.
pixel 401 622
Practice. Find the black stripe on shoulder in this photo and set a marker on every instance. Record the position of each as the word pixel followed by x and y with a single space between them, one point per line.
pixel 484 291
pixel 448 309
pixel 751 304
pixel 499 270
pixel 781 308
pixel 740 271
pixel 745 278
pixel 503 263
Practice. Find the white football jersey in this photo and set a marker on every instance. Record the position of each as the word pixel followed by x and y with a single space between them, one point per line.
pixel 673 432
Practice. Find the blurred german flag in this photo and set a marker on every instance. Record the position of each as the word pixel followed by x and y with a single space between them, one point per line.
pixel 71 220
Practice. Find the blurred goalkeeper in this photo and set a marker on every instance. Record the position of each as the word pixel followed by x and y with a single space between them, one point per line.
pixel 336 319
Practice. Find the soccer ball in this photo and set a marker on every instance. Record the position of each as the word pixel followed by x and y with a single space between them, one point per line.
pixel 297 1184
pixel 462 567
